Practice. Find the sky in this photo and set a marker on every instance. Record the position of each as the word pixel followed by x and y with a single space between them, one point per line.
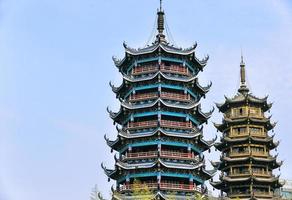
pixel 55 66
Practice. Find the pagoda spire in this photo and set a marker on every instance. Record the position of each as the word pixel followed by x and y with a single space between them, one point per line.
pixel 243 86
pixel 160 37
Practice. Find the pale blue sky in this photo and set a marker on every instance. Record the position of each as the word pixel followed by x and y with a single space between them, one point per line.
pixel 55 65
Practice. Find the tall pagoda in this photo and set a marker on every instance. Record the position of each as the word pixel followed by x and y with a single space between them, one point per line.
pixel 246 161
pixel 160 141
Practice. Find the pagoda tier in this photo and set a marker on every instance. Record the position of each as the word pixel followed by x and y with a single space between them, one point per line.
pixel 246 162
pixel 159 83
pixel 256 139
pixel 185 57
pixel 187 143
pixel 161 194
pixel 137 115
pixel 160 134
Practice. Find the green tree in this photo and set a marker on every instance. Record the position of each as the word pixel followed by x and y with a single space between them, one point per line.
pixel 199 196
pixel 141 191
pixel 171 195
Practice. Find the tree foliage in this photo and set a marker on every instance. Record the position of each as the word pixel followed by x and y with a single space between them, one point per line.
pixel 141 191
pixel 199 196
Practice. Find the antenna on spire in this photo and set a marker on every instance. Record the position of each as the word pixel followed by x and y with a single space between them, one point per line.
pixel 243 87
pixel 242 62
pixel 160 37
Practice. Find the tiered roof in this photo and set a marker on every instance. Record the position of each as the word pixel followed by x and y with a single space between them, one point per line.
pixel 157 48
pixel 228 161
pixel 160 136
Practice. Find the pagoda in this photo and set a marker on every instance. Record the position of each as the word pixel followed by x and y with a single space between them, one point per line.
pixel 246 161
pixel 160 140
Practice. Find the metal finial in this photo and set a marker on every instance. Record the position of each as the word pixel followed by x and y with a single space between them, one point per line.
pixel 242 62
pixel 160 37
pixel 243 87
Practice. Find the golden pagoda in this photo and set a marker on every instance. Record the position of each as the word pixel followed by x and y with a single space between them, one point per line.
pixel 246 162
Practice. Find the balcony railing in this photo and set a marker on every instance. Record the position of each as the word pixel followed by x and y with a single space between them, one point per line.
pixel 144 69
pixel 177 186
pixel 175 69
pixel 247 172
pixel 255 193
pixel 163 154
pixel 175 124
pixel 140 97
pixel 162 186
pixel 149 154
pixel 144 124
pixel 239 173
pixel 163 123
pixel 175 96
pixel 262 173
pixel 178 155
pixel 259 153
pixel 260 193
pixel 245 133
pixel 139 186
pixel 241 153
pixel 245 153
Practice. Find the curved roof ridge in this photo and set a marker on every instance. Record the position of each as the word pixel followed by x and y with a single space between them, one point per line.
pixel 146 165
pixel 192 134
pixel 206 115
pixel 167 48
pixel 167 77
pixel 151 104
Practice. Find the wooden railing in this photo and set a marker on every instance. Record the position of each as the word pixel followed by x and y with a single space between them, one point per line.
pixel 142 154
pixel 247 172
pixel 146 96
pixel 163 153
pixel 254 192
pixel 259 153
pixel 151 185
pixel 175 124
pixel 175 69
pixel 173 154
pixel 177 186
pixel 239 153
pixel 162 185
pixel 144 69
pixel 260 193
pixel 254 153
pixel 144 124
pixel 239 173
pixel 163 123
pixel 175 96
pixel 261 173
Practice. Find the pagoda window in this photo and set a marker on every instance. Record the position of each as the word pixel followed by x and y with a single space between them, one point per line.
pixel 239 112
pixel 260 171
pixel 256 131
pixel 144 95
pixel 255 111
pixel 258 150
pixel 239 131
pixel 240 170
pixel 175 95
pixel 239 150
pixel 145 68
